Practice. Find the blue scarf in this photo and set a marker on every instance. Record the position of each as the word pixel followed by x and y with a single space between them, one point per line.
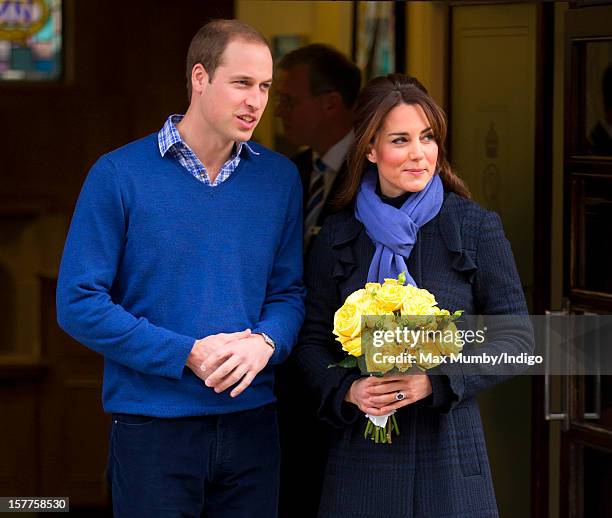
pixel 392 230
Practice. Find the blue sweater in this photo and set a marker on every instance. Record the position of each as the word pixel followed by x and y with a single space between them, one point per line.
pixel 155 259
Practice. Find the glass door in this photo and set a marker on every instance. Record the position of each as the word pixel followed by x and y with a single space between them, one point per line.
pixel 586 442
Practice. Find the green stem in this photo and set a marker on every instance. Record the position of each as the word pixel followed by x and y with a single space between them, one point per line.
pixel 381 434
pixel 397 430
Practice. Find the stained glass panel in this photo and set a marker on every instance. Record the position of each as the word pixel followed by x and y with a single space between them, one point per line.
pixel 30 40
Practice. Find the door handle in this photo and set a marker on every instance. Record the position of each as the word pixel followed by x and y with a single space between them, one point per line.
pixel 597 392
pixel 549 415
pixel 596 400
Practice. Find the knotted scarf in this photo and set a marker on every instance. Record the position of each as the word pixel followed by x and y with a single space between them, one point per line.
pixel 394 231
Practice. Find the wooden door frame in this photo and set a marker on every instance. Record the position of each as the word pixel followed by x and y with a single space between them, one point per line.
pixel 543 188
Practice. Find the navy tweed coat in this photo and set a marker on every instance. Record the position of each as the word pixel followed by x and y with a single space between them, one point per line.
pixel 438 466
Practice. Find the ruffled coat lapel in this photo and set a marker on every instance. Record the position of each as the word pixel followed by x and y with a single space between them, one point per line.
pixel 348 235
pixel 450 224
pixel 345 232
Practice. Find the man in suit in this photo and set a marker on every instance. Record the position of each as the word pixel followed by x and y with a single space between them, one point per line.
pixel 316 87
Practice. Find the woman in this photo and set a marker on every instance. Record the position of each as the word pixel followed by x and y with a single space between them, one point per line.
pixel 404 209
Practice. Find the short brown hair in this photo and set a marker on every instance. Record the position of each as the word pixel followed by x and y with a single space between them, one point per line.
pixel 376 100
pixel 209 44
pixel 328 70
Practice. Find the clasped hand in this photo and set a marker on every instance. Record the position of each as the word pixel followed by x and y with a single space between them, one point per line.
pixel 377 395
pixel 224 359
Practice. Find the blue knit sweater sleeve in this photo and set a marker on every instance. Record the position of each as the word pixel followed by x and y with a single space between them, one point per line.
pixel 283 311
pixel 85 309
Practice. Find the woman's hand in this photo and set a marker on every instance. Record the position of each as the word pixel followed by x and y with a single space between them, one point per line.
pixel 377 395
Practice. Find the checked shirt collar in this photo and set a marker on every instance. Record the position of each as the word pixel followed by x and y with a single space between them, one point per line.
pixel 170 141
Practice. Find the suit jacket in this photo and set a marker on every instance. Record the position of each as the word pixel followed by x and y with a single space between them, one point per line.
pixel 303 437
pixel 438 466
pixel 303 161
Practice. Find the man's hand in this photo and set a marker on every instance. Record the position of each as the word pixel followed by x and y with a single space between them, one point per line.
pixel 201 360
pixel 244 358
pixel 376 396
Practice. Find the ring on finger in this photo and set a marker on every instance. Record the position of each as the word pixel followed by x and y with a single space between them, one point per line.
pixel 399 395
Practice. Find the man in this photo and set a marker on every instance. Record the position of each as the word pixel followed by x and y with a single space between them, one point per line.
pixel 316 88
pixel 182 267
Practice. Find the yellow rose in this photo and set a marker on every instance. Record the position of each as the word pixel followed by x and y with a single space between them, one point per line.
pixel 391 281
pixel 406 366
pixel 451 344
pixel 380 366
pixel 419 296
pixel 351 345
pixel 418 306
pixel 392 348
pixel 388 356
pixel 400 348
pixel 418 315
pixel 428 346
pixel 347 321
pixel 391 296
pixel 359 298
pixel 372 287
pixel 372 311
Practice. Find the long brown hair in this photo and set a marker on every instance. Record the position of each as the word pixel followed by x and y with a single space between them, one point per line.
pixel 375 101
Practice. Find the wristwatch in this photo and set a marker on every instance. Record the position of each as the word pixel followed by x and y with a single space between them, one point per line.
pixel 268 340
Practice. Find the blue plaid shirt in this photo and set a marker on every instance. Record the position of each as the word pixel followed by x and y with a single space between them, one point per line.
pixel 170 142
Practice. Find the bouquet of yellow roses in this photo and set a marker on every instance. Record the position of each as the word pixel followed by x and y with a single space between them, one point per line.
pixel 390 328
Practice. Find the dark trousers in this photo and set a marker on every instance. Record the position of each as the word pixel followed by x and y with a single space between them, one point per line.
pixel 213 466
pixel 304 445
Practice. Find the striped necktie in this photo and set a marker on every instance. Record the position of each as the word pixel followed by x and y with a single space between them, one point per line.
pixel 316 200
